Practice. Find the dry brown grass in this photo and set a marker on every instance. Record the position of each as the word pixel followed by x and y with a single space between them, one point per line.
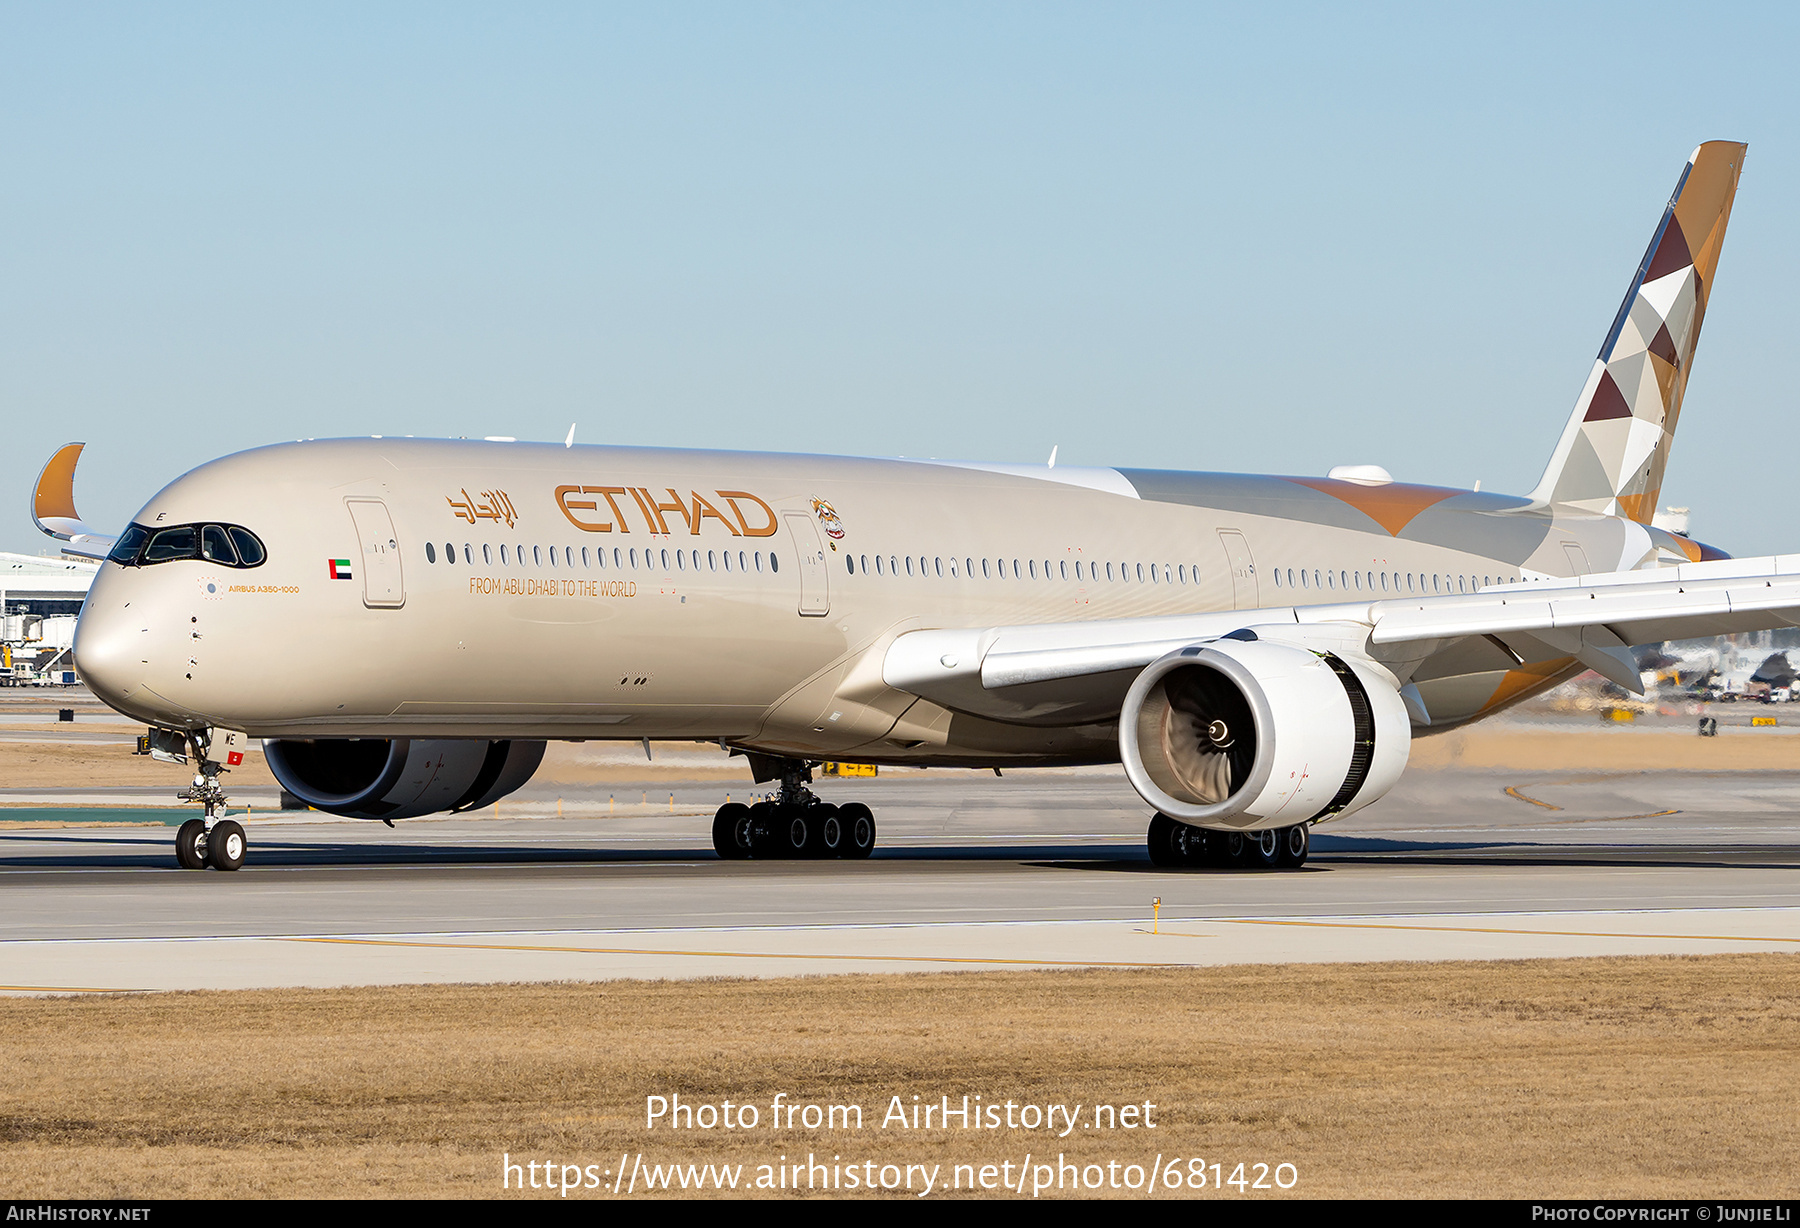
pixel 1558 750
pixel 88 765
pixel 1660 1077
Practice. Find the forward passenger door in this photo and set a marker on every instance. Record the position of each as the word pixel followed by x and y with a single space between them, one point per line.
pixel 383 586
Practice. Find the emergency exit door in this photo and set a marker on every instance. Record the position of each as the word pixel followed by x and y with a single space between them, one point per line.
pixel 379 561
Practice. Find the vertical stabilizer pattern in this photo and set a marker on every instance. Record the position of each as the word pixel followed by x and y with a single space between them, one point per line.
pixel 1613 451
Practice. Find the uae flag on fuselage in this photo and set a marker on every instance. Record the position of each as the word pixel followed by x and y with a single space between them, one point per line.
pixel 340 569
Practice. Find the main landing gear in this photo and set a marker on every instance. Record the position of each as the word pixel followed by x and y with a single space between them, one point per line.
pixel 1176 844
pixel 213 841
pixel 793 823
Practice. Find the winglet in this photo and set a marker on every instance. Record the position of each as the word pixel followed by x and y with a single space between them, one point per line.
pixel 55 494
pixel 53 506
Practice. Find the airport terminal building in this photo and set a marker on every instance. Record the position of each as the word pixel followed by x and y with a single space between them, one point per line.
pixel 44 584
pixel 40 596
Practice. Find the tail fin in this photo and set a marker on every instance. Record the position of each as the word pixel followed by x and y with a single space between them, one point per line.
pixel 1613 452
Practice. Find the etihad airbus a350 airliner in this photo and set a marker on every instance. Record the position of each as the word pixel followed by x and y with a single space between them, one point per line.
pixel 1257 651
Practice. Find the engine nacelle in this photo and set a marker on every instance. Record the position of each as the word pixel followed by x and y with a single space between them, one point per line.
pixel 1242 734
pixel 374 778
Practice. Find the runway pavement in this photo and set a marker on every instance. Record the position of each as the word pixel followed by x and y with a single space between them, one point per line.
pixel 1030 870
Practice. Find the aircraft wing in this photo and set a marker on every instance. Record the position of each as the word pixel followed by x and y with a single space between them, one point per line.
pixel 53 507
pixel 1059 672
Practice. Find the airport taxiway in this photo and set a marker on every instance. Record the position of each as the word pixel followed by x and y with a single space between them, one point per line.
pixel 1031 870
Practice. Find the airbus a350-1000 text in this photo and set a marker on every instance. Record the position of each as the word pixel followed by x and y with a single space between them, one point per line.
pixel 406 623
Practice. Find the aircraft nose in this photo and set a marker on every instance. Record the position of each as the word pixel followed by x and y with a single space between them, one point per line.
pixel 108 655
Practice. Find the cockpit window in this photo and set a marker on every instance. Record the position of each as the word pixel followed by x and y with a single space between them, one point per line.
pixel 168 545
pixel 215 547
pixel 125 550
pixel 249 550
pixel 228 545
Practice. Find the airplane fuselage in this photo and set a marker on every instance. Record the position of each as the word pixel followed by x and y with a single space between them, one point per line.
pixel 443 588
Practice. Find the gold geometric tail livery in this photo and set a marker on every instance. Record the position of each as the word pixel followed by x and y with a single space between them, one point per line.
pixel 1612 454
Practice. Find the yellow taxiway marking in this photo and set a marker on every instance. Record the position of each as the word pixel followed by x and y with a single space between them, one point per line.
pixel 897 959
pixel 1513 791
pixel 65 989
pixel 1623 818
pixel 1475 929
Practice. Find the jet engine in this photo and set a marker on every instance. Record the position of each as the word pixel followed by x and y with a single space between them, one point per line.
pixel 375 778
pixel 1243 734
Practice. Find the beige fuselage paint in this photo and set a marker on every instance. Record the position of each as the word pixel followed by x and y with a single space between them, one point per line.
pixel 779 652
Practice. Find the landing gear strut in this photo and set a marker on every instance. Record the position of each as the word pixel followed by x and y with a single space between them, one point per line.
pixel 213 841
pixel 1174 844
pixel 792 822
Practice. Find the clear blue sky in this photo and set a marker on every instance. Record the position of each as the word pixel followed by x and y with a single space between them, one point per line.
pixel 1252 238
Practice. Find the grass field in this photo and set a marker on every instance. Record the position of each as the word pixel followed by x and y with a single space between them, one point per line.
pixel 1657 1077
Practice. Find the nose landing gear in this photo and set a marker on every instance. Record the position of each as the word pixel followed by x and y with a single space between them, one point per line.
pixel 793 823
pixel 213 841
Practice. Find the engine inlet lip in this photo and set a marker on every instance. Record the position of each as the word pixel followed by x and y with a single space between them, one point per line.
pixel 1264 721
pixel 391 772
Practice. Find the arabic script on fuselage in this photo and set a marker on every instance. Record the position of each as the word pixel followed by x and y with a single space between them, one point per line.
pixel 484 505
